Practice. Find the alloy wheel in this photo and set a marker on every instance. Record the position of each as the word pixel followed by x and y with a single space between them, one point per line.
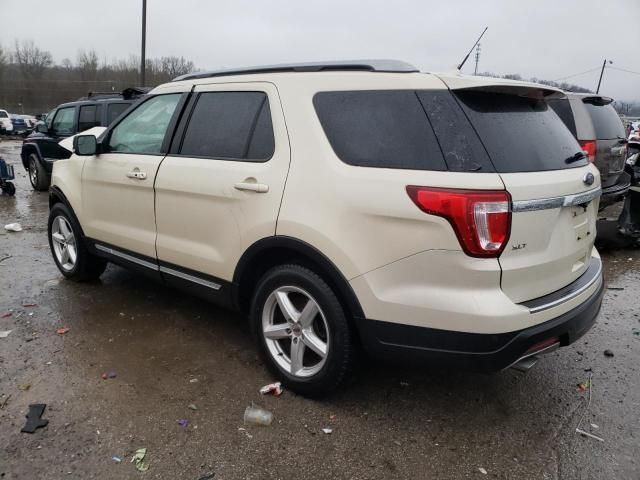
pixel 295 331
pixel 64 243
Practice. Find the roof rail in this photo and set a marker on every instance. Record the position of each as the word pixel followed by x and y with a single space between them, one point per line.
pixel 394 66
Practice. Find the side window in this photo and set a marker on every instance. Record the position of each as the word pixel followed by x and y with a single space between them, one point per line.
pixel 114 110
pixel 384 128
pixel 63 121
pixel 230 125
pixel 48 120
pixel 562 107
pixel 88 117
pixel 143 130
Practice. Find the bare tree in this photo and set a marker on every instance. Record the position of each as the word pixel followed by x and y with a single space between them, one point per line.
pixel 88 64
pixel 3 61
pixel 32 61
pixel 175 66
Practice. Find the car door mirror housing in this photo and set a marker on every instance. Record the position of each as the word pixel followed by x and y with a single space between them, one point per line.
pixel 85 145
pixel 42 128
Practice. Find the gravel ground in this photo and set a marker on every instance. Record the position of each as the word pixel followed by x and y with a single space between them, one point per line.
pixel 169 351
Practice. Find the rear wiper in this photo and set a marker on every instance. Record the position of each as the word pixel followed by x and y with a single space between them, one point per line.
pixel 574 158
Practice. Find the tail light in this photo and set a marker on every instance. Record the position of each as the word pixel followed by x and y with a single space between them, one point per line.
pixel 589 147
pixel 481 219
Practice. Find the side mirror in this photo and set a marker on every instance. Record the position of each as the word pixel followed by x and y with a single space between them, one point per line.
pixel 85 145
pixel 42 128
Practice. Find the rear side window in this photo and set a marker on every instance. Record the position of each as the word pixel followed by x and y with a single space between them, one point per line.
pixel 230 125
pixel 386 128
pixel 114 110
pixel 606 121
pixel 89 117
pixel 3 114
pixel 520 134
pixel 562 107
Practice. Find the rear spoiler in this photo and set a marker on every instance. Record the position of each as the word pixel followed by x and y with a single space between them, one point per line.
pixel 597 100
pixel 499 85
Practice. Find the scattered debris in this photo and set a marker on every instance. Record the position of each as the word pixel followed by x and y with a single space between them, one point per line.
pixel 5 258
pixel 33 418
pixel 635 331
pixel 183 423
pixel 273 388
pixel 116 459
pixel 257 416
pixel 192 407
pixel 6 315
pixel 193 380
pixel 615 288
pixel 51 283
pixel 62 330
pixel 140 460
pixel 26 304
pixel 5 333
pixel 13 227
pixel 608 353
pixel 593 425
pixel 404 384
pixel 249 436
pixel 482 470
pixel 24 387
pixel 104 376
pixel 4 402
pixel 584 386
pixel 332 417
pixel 328 431
pixel 110 374
pixel 208 476
pixel 587 434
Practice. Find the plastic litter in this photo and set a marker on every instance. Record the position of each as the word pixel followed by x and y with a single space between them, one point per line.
pixel 192 407
pixel 110 374
pixel 34 420
pixel 193 380
pixel 328 431
pixel 590 435
pixel 5 333
pixel 116 459
pixel 584 386
pixel 482 470
pixel 62 330
pixel 139 458
pixel 13 227
pixel 29 304
pixel 183 423
pixel 608 353
pixel 258 416
pixel 273 388
pixel 208 476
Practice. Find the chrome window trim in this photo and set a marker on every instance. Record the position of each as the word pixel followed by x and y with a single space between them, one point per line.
pixel 556 202
pixel 127 257
pixel 190 278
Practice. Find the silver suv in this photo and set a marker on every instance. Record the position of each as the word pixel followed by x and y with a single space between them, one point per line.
pixel 347 205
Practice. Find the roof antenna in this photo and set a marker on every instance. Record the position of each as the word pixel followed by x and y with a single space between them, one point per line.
pixel 474 46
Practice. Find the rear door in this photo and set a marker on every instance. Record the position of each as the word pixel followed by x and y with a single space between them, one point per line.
pixel 554 197
pixel 610 135
pixel 219 189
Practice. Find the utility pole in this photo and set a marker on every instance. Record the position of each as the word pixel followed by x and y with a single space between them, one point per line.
pixel 144 43
pixel 475 72
pixel 604 63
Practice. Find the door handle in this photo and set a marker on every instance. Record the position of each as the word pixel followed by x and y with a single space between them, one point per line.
pixel 252 187
pixel 137 174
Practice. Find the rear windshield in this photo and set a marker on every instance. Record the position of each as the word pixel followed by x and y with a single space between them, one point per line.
pixel 606 121
pixel 520 134
pixel 563 108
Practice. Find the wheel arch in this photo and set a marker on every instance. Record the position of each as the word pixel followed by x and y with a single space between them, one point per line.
pixel 56 195
pixel 270 252
pixel 27 149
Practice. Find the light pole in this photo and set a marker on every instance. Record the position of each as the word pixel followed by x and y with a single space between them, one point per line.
pixel 144 43
pixel 604 63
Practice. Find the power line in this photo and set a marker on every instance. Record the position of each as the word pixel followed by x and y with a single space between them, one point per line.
pixel 625 70
pixel 577 74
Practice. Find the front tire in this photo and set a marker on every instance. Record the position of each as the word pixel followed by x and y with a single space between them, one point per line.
pixel 38 176
pixel 302 330
pixel 68 247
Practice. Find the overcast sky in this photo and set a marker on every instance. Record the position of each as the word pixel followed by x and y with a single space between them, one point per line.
pixel 549 39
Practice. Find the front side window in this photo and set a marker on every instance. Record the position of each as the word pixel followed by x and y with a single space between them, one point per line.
pixel 88 117
pixel 143 130
pixel 63 121
pixel 230 125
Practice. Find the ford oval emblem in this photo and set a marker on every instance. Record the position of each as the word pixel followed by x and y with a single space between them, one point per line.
pixel 588 178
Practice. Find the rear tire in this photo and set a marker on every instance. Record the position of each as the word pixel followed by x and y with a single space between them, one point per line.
pixel 9 189
pixel 302 330
pixel 38 176
pixel 68 247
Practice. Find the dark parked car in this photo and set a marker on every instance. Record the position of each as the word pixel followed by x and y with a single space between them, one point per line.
pixel 19 124
pixel 41 149
pixel 600 131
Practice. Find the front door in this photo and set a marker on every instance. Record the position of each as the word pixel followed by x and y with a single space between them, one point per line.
pixel 117 185
pixel 219 189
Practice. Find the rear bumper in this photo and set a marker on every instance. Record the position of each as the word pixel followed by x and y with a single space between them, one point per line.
pixel 615 192
pixel 477 351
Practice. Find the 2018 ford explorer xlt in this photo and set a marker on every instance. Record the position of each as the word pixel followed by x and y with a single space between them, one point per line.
pixel 346 205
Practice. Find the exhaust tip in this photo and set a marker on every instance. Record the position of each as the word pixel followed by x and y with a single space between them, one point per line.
pixel 525 364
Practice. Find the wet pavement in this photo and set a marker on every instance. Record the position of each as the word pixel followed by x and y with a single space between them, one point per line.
pixel 169 351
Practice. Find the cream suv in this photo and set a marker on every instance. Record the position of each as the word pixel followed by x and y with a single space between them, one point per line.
pixel 347 205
